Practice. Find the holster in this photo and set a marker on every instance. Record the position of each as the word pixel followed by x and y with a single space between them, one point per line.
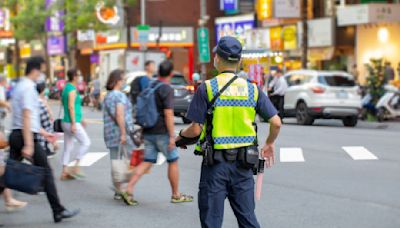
pixel 248 157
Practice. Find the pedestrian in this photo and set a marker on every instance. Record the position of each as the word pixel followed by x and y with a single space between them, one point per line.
pixel 117 118
pixel 389 73
pixel 46 121
pixel 140 83
pixel 356 74
pixel 95 92
pixel 229 134
pixel 243 74
pixel 160 138
pixel 10 202
pixel 398 71
pixel 277 90
pixel 26 129
pixel 73 126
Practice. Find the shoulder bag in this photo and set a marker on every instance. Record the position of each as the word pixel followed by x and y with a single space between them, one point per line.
pixel 57 125
pixel 135 135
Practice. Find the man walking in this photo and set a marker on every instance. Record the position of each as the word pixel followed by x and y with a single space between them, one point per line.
pixel 24 138
pixel 142 82
pixel 160 138
pixel 278 87
pixel 223 111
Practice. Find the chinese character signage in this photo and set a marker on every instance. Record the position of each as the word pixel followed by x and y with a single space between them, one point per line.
pixel 229 5
pixel 276 38
pixel 287 8
pixel 264 9
pixel 54 23
pixel 234 26
pixel 289 35
pixel 4 19
pixel 56 45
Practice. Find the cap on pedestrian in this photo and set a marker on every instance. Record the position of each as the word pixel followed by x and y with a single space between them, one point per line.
pixel 229 48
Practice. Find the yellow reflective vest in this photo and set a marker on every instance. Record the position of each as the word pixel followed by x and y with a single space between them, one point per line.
pixel 234 113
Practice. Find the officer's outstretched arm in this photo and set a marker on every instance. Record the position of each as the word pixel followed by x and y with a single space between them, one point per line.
pixel 189 136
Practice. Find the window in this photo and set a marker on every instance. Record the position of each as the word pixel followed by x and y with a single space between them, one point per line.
pixel 298 79
pixel 178 80
pixel 336 80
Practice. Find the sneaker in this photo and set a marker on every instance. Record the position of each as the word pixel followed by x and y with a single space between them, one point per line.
pixel 51 155
pixel 117 196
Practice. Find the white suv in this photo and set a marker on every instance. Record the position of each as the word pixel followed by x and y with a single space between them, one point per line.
pixel 315 94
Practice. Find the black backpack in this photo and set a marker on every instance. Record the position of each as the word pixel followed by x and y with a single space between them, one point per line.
pixel 135 89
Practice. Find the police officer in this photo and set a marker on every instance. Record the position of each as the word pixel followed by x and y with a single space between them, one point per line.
pixel 228 138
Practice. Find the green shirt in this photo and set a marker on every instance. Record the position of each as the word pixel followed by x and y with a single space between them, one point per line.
pixel 78 104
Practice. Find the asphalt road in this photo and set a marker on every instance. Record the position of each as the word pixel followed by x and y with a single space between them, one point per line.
pixel 314 183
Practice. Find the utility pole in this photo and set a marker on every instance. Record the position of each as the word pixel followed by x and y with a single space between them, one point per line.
pixel 143 12
pixel 202 22
pixel 304 53
pixel 128 26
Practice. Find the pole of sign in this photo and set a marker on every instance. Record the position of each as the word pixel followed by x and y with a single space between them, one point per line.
pixel 203 13
pixel 304 55
pixel 143 11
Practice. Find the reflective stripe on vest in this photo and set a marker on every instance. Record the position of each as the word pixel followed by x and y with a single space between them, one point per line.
pixel 234 113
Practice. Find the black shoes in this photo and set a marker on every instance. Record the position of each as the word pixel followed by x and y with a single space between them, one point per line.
pixel 65 214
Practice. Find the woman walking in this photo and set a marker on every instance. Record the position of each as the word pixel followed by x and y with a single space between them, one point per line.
pixel 117 119
pixel 73 126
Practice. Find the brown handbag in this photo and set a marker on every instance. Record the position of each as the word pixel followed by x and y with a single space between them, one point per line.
pixel 3 141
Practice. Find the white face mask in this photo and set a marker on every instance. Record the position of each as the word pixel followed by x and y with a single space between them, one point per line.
pixel 42 77
pixel 80 79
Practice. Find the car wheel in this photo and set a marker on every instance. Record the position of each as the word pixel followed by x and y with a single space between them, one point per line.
pixel 302 115
pixel 186 120
pixel 350 121
pixel 380 114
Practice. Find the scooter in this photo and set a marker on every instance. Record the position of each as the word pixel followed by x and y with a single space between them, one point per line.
pixel 388 106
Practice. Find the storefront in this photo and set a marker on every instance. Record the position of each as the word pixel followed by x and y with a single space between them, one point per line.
pixel 377 33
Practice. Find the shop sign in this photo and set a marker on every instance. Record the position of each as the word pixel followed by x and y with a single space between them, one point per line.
pixel 370 13
pixel 108 37
pixel 86 35
pixel 25 51
pixel 289 35
pixel 321 32
pixel 257 39
pixel 229 5
pixel 264 9
pixel 56 45
pixel 287 9
pixel 168 35
pixel 203 40
pixel 234 26
pixel 54 23
pixel 276 38
pixel 86 39
pixel 111 16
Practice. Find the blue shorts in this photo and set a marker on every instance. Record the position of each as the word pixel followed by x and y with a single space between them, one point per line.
pixel 153 144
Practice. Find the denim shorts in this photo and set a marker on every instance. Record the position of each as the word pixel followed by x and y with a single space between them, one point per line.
pixel 153 144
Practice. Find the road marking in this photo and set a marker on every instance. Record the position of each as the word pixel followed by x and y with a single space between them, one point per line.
pixel 292 154
pixel 90 158
pixel 359 153
pixel 161 159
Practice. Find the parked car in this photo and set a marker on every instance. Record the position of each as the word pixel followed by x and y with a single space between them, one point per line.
pixel 315 94
pixel 183 95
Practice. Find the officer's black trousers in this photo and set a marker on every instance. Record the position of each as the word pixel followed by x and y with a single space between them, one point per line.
pixel 226 180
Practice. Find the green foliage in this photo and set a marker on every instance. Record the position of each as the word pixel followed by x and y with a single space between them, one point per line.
pixel 29 22
pixel 375 79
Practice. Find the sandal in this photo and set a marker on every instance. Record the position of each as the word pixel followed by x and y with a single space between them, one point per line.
pixel 182 198
pixel 128 199
pixel 66 177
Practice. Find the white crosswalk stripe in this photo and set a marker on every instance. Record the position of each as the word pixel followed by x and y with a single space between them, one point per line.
pixel 359 153
pixel 90 158
pixel 292 154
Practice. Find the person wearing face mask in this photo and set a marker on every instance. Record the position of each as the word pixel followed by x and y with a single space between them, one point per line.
pixel 73 126
pixel 26 130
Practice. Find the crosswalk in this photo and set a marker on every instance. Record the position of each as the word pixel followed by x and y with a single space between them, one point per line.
pixel 357 153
